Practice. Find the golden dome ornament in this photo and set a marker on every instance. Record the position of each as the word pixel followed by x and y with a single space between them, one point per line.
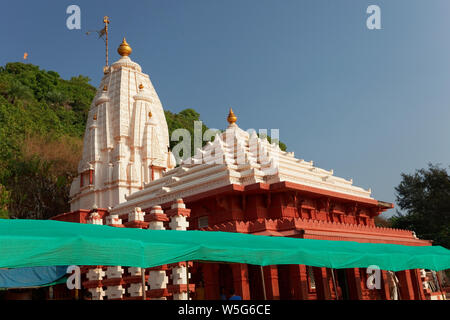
pixel 124 49
pixel 231 117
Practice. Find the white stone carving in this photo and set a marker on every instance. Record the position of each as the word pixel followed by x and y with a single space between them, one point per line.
pixel 97 293
pixel 135 289
pixel 114 292
pixel 179 275
pixel 136 215
pixel 180 296
pixel 158 279
pixel 121 141
pixel 178 223
pixel 114 272
pixel 238 157
pixel 94 218
pixel 95 274
pixel 113 219
pixel 135 271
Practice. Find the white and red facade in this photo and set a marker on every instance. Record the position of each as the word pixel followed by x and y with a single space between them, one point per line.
pixel 237 183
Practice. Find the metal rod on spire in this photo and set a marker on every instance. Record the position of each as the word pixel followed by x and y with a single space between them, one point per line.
pixel 101 33
pixel 106 22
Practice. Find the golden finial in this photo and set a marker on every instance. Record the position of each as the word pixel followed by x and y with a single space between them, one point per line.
pixel 141 86
pixel 105 88
pixel 231 117
pixel 124 49
pixel 149 114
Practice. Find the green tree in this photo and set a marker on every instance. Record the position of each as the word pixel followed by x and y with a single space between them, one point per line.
pixel 4 201
pixel 425 199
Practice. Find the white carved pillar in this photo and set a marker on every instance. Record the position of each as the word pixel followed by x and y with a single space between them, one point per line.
pixel 158 278
pixel 114 290
pixel 96 275
pixel 180 275
pixel 94 218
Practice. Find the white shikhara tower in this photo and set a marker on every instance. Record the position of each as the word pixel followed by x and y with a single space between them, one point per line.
pixel 126 139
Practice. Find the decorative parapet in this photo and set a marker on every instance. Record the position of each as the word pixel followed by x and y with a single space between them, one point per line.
pixel 178 215
pixel 94 218
pixel 114 221
pixel 94 276
pixel 156 218
pixel 136 219
pixel 322 229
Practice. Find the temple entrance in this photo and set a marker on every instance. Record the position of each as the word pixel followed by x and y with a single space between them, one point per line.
pixel 284 282
pixel 225 280
pixel 255 282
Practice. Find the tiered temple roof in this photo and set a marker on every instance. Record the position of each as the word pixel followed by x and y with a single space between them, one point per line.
pixel 126 140
pixel 241 158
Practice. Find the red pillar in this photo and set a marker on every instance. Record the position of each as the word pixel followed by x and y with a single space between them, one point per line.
pixel 299 282
pixel 354 284
pixel 211 281
pixel 406 286
pixel 271 282
pixel 386 293
pixel 240 280
pixel 322 283
pixel 417 284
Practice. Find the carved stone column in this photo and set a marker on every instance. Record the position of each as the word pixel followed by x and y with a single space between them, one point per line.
pixel 299 282
pixel 240 280
pixel 271 282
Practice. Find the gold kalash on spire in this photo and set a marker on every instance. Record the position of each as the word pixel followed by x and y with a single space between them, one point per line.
pixel 124 49
pixel 231 117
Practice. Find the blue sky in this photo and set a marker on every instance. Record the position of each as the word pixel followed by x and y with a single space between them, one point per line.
pixel 369 104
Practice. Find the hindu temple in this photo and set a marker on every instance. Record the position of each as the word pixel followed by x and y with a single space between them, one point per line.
pixel 237 182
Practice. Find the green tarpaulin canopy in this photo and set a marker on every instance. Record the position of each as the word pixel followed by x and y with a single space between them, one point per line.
pixel 28 243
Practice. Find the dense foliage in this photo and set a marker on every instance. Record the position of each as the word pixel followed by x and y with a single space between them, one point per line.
pixel 42 120
pixel 425 198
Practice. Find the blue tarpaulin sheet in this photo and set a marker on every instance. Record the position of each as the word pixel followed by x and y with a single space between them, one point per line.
pixel 30 276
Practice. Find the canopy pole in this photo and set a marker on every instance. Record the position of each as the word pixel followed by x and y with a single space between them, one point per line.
pixel 187 280
pixel 334 284
pixel 144 296
pixel 263 282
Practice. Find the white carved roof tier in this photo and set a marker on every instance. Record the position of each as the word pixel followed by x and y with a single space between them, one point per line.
pixel 236 157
